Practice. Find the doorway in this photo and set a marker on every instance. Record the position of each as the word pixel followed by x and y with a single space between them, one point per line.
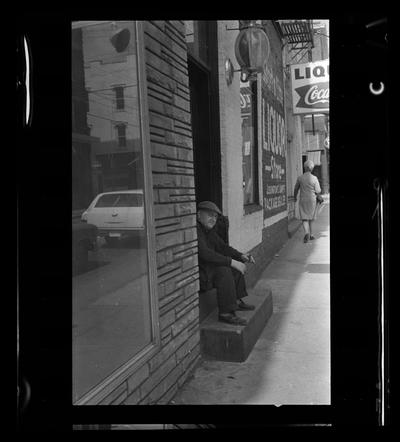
pixel 205 133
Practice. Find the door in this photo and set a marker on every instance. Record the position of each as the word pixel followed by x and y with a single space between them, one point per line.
pixel 199 104
pixel 206 147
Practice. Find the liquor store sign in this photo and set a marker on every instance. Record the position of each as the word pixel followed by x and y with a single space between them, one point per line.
pixel 310 87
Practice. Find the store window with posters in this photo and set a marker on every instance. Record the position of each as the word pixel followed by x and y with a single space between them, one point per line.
pixel 248 104
pixel 114 303
pixel 274 141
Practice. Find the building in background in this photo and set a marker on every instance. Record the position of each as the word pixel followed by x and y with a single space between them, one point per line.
pixel 321 122
pixel 82 141
pixel 307 42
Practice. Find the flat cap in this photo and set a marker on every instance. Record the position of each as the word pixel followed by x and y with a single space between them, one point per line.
pixel 208 205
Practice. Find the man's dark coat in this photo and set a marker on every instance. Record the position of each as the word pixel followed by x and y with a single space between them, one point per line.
pixel 213 252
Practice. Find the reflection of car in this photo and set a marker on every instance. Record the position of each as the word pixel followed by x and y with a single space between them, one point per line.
pixel 84 238
pixel 116 214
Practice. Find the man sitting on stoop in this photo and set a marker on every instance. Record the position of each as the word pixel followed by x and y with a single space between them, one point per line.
pixel 221 266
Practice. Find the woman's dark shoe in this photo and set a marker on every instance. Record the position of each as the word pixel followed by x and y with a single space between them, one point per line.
pixel 230 318
pixel 312 237
pixel 306 237
pixel 244 306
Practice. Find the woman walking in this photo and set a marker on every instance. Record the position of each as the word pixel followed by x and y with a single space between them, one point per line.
pixel 309 187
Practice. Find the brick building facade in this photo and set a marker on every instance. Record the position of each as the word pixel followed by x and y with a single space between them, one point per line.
pixel 194 149
pixel 157 379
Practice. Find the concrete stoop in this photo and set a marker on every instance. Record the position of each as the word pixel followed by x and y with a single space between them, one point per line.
pixel 233 343
pixel 207 303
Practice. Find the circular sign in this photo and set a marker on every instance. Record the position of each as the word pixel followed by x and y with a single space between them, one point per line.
pixel 252 48
pixel 120 39
pixel 326 142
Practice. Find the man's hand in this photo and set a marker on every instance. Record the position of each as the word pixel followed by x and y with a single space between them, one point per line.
pixel 238 266
pixel 249 258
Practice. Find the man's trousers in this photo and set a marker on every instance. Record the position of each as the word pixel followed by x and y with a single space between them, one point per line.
pixel 230 285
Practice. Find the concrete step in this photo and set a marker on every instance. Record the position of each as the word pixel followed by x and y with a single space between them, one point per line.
pixel 207 303
pixel 233 343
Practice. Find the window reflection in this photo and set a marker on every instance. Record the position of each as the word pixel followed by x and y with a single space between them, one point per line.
pixel 111 295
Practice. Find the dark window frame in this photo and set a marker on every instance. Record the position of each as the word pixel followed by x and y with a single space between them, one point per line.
pixel 119 98
pixel 121 136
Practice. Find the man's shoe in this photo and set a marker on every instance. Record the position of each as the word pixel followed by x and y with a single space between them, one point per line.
pixel 306 237
pixel 312 237
pixel 232 319
pixel 244 306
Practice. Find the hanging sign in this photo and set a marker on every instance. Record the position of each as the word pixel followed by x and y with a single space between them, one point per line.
pixel 310 87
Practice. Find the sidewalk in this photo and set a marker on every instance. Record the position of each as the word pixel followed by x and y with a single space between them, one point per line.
pixel 290 363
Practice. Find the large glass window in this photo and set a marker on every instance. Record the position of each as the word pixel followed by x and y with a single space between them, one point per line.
pixel 248 104
pixel 113 309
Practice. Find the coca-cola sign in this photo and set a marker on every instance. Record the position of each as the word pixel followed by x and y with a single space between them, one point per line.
pixel 310 87
pixel 313 96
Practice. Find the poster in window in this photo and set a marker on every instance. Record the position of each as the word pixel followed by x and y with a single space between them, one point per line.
pixel 248 140
pixel 274 147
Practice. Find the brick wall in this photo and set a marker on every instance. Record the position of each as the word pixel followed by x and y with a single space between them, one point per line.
pixel 175 221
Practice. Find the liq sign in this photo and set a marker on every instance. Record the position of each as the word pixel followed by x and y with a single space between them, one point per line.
pixel 310 87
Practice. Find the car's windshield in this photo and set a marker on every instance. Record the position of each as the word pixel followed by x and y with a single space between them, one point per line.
pixel 120 200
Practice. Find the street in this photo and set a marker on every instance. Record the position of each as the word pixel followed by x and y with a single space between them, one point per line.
pixel 110 307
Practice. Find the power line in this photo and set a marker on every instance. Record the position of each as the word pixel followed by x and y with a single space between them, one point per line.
pixel 112 96
pixel 116 73
pixel 110 88
pixel 112 120
pixel 109 106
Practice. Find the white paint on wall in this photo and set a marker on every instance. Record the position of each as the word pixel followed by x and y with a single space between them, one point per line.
pixel 274 219
pixel 245 230
pixel 248 233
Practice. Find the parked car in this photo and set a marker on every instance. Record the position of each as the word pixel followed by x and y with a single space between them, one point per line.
pixel 84 238
pixel 116 214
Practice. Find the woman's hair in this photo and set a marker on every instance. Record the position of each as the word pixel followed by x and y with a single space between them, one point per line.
pixel 309 165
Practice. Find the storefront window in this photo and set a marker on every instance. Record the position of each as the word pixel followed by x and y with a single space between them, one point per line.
pixel 113 308
pixel 248 104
